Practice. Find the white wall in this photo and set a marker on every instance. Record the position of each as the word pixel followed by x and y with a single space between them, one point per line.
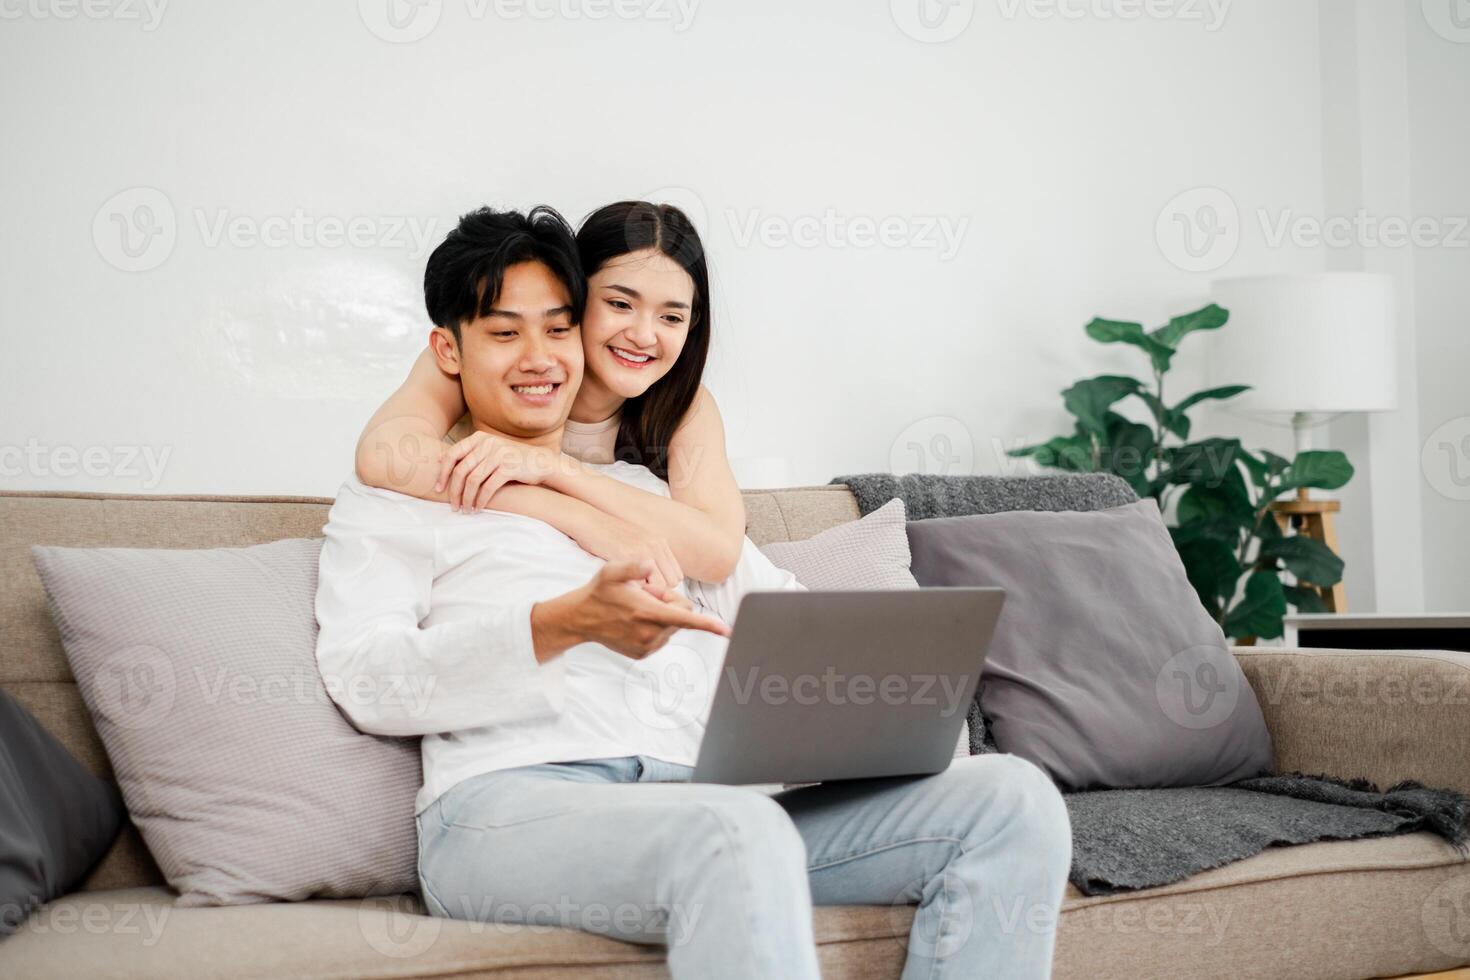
pixel 1053 147
pixel 1439 91
pixel 1367 167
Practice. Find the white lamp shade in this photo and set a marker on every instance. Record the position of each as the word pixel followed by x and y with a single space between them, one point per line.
pixel 1319 343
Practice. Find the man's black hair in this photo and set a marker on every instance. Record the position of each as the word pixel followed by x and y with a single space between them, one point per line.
pixel 463 277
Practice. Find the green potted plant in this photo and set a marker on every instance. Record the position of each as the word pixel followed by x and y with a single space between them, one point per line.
pixel 1221 493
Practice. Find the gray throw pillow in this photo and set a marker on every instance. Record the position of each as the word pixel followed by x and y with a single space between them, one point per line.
pixel 56 818
pixel 246 781
pixel 1105 670
pixel 871 553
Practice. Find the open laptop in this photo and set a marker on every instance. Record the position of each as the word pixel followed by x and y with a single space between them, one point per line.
pixel 819 686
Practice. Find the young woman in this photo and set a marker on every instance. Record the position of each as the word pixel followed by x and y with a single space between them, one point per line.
pixel 645 333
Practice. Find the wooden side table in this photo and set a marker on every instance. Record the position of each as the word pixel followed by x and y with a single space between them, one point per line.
pixel 1314 518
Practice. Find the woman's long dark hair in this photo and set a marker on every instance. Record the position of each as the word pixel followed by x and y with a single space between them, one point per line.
pixel 650 420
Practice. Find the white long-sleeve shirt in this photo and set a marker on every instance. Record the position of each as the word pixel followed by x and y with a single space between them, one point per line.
pixel 425 619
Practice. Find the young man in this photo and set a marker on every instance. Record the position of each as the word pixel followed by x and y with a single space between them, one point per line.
pixel 555 774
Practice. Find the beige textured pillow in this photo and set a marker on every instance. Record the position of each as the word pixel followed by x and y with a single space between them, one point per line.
pixel 247 783
pixel 872 553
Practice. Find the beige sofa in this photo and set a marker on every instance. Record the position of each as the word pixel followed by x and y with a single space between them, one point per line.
pixel 1332 910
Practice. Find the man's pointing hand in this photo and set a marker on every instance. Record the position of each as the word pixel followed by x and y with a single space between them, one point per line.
pixel 617 610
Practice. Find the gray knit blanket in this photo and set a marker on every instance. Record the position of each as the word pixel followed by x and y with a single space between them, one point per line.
pixel 926 496
pixel 1125 839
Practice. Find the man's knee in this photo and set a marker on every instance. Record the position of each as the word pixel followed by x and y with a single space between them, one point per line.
pixel 1021 792
pixel 747 827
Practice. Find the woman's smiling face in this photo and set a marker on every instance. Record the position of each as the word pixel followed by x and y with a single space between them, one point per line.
pixel 636 321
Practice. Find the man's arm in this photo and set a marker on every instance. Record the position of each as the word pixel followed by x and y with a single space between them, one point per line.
pixel 393 677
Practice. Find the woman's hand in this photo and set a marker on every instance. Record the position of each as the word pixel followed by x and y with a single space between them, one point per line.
pixel 477 466
pixel 618 541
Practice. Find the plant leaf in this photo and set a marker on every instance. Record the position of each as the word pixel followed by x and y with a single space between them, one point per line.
pixel 1071 453
pixel 1260 610
pixel 1268 529
pixel 1092 399
pixel 1215 394
pixel 1211 567
pixel 1228 501
pixel 1257 468
pixel 1174 420
pixel 1123 332
pixel 1208 462
pixel 1306 600
pixel 1264 469
pixel 1277 464
pixel 1307 558
pixel 1327 470
pixel 1211 317
pixel 1129 451
pixel 1114 331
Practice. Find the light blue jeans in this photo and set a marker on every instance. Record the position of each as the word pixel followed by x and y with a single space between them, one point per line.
pixel 725 877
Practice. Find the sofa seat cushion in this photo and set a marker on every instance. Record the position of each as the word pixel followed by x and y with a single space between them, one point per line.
pixel 140 934
pixel 1376 907
pixel 1372 907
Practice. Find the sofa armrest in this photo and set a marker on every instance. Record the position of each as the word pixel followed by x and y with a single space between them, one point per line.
pixel 1383 715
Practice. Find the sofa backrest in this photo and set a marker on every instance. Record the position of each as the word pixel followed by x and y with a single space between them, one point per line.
pixel 33 667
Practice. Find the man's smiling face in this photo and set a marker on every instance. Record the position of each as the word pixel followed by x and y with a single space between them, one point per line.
pixel 520 365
